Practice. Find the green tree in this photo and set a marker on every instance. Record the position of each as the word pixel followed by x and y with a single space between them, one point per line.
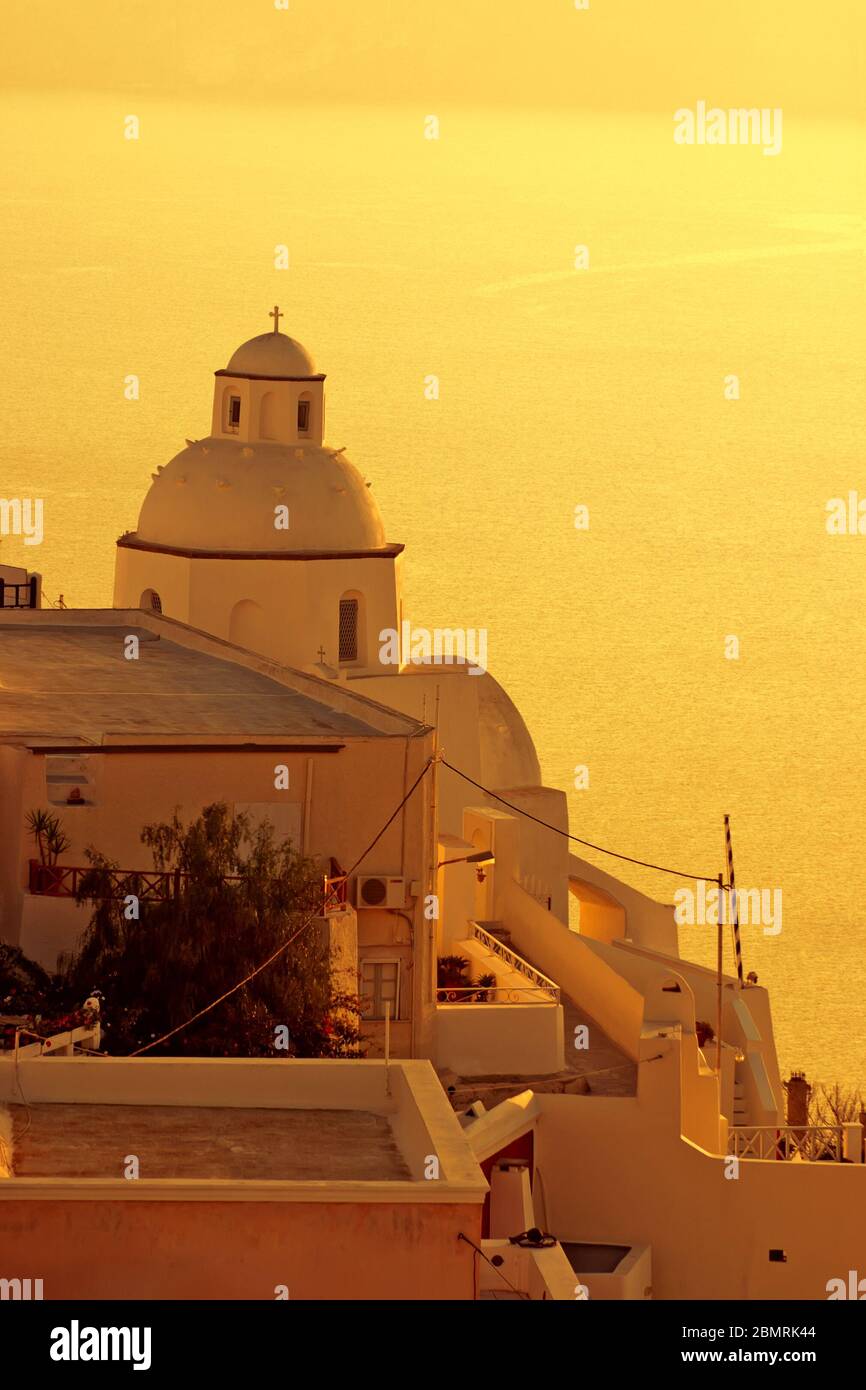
pixel 237 897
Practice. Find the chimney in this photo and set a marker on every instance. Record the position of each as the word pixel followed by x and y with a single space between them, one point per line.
pixel 798 1093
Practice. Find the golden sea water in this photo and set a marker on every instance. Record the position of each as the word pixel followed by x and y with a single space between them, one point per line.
pixel 454 258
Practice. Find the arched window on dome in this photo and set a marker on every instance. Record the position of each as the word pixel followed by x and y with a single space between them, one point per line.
pixel 150 599
pixel 351 643
pixel 305 412
pixel 231 411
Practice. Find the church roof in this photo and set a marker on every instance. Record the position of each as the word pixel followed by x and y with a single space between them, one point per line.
pixel 220 495
pixel 64 680
pixel 271 355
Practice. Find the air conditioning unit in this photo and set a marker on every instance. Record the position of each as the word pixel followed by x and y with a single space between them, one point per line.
pixel 379 891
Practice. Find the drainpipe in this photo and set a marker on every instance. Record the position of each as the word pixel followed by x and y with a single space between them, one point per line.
pixel 308 799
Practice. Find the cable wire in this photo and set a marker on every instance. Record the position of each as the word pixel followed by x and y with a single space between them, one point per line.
pixel 495 1268
pixel 644 864
pixel 302 928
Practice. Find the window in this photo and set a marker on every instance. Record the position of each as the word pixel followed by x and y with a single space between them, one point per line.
pixel 234 414
pixel 303 417
pixel 380 985
pixel 348 629
pixel 151 599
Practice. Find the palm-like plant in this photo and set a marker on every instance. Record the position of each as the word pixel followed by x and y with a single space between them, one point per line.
pixel 39 823
pixel 57 842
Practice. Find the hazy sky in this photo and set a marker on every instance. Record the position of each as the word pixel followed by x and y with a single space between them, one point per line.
pixel 619 55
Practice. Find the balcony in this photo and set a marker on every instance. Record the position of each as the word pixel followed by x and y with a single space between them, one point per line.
pixel 511 1027
pixel 63 881
pixel 808 1143
pixel 149 886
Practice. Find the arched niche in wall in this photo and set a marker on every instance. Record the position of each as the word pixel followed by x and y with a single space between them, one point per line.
pixel 248 626
pixel 268 422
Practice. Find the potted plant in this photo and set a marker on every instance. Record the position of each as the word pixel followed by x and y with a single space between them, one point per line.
pixel 451 979
pixel 486 985
pixel 705 1032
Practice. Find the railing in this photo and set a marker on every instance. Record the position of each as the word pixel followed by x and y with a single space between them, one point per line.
pixel 481 994
pixel 18 595
pixel 149 886
pixel 335 893
pixel 85 1038
pixel 812 1142
pixel 498 948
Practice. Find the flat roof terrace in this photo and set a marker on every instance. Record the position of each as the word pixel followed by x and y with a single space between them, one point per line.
pixel 180 1141
pixel 230 1129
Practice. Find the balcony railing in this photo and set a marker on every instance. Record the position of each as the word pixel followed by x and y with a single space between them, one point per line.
pixel 149 886
pixel 153 886
pixel 498 948
pixel 494 994
pixel 784 1142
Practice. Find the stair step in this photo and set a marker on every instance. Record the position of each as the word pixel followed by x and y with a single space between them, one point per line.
pixel 496 929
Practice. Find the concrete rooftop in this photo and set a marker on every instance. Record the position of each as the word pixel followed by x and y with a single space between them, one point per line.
pixel 64 677
pixel 181 1141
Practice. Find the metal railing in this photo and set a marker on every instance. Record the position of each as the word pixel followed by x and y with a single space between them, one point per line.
pixel 483 994
pixel 784 1142
pixel 336 893
pixel 505 953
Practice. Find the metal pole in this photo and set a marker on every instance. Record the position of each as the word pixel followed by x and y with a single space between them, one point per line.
pixel 434 793
pixel 719 985
pixel 387 1046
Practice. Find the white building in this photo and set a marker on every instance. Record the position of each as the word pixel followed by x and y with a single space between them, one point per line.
pixel 263 549
pixel 262 535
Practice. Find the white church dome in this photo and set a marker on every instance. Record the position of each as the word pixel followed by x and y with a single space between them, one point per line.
pixel 271 355
pixel 507 752
pixel 221 495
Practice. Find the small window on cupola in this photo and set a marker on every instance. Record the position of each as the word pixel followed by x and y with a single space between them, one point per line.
pixel 234 419
pixel 303 417
pixel 348 629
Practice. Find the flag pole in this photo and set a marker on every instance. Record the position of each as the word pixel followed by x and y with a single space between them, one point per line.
pixel 735 908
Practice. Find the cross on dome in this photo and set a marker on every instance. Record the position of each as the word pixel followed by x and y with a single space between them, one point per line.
pixel 276 316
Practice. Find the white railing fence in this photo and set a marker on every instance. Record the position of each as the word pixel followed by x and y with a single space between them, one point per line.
pixel 542 984
pixel 814 1143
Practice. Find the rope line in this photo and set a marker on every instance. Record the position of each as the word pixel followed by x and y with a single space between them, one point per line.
pixel 644 863
pixel 495 1268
